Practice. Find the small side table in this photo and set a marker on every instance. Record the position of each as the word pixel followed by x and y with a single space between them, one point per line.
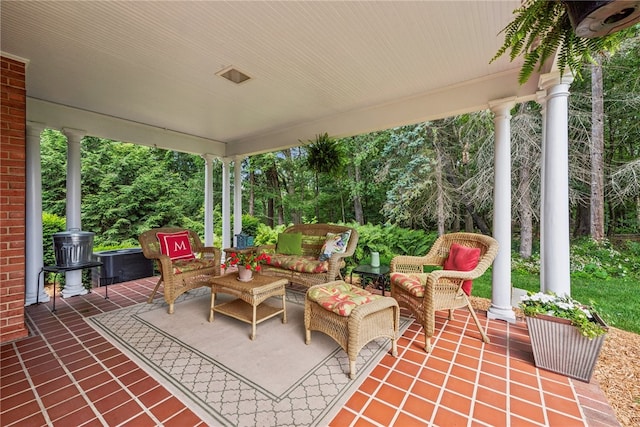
pixel 377 276
pixel 57 270
pixel 247 250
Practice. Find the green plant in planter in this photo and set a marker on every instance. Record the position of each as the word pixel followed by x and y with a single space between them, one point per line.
pixel 541 28
pixel 563 307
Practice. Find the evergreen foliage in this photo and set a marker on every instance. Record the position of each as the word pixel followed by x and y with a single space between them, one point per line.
pixel 51 224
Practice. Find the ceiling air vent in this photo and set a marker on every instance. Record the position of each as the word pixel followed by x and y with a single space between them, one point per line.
pixel 233 75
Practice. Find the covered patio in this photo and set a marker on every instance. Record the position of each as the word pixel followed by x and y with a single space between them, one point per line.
pixel 227 80
pixel 230 79
pixel 66 373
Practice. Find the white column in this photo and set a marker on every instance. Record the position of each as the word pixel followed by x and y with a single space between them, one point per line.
pixel 237 197
pixel 73 279
pixel 541 99
pixel 226 208
pixel 34 280
pixel 208 199
pixel 556 190
pixel 501 273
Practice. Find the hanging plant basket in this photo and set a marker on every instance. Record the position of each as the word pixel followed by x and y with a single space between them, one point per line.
pixel 558 346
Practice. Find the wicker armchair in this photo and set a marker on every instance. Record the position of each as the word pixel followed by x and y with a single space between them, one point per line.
pixel 180 276
pixel 442 289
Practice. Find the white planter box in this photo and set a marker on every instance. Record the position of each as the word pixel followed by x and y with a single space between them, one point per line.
pixel 559 347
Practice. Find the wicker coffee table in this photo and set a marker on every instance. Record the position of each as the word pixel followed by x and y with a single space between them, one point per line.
pixel 248 306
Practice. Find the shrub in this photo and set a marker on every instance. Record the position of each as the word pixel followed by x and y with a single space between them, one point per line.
pixel 51 224
pixel 590 259
pixel 389 241
pixel 598 259
pixel 250 224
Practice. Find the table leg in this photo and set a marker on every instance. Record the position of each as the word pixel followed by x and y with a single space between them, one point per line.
pixel 213 303
pixel 55 277
pixel 284 309
pixel 253 322
pixel 380 283
pixel 106 289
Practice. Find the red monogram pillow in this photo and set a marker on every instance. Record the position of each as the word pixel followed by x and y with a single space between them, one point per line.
pixel 176 245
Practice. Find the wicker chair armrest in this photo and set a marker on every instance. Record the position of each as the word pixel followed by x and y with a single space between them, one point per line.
pixel 165 264
pixel 269 249
pixel 336 259
pixel 409 264
pixel 334 264
pixel 454 274
pixel 207 251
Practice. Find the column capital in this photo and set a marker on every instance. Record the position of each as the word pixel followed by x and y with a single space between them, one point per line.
pixel 34 128
pixel 74 134
pixel 209 156
pixel 504 103
pixel 501 108
pixel 554 78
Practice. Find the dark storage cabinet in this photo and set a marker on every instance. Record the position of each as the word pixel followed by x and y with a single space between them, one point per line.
pixel 120 265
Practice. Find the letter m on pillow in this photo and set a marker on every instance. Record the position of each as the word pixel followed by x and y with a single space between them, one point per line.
pixel 176 245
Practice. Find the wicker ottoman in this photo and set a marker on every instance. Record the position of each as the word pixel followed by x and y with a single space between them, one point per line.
pixel 351 316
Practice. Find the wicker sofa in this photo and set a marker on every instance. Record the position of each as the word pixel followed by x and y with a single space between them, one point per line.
pixel 306 269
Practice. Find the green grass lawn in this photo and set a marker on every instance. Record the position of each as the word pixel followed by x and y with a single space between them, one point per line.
pixel 616 300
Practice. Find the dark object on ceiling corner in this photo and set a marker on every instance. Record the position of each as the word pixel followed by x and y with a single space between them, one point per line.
pixel 600 18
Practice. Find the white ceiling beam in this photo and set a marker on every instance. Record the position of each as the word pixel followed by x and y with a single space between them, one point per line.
pixel 56 116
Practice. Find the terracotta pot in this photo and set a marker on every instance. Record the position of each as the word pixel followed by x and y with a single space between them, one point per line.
pixel 244 274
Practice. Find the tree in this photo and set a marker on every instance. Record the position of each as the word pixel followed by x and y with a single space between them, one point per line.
pixel 596 151
pixel 53 154
pixel 363 183
pixel 622 133
pixel 526 154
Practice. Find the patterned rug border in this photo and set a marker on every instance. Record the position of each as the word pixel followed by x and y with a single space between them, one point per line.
pixel 281 409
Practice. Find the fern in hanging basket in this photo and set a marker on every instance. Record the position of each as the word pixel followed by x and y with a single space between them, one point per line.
pixel 543 27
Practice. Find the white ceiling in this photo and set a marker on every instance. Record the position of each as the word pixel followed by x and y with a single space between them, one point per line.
pixel 145 71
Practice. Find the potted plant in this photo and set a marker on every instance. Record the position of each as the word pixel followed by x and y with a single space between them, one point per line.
pixel 247 263
pixel 541 28
pixel 566 336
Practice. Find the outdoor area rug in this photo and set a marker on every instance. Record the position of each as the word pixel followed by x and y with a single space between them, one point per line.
pixel 229 380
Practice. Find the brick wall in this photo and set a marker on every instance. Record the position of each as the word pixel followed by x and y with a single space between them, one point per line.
pixel 13 113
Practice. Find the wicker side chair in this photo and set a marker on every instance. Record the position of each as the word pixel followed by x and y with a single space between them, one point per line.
pixel 440 289
pixel 180 276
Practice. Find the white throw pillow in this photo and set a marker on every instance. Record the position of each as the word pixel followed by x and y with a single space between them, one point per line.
pixel 336 243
